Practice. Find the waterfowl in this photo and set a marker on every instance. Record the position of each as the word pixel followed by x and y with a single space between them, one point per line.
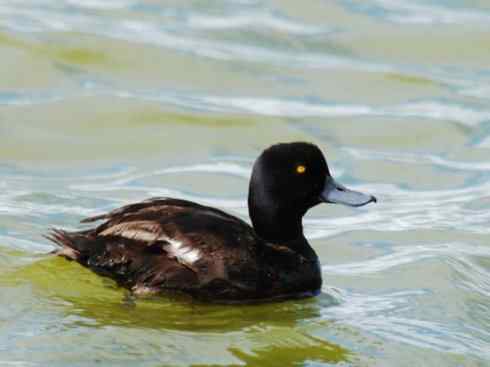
pixel 167 244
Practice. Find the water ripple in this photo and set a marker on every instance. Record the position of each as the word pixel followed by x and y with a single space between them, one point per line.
pixel 399 209
pixel 418 158
pixel 435 237
pixel 186 32
pixel 380 315
pixel 409 254
pixel 276 107
pixel 417 12
pixel 257 20
pixel 29 98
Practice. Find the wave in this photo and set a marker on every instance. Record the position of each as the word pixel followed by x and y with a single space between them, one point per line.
pixel 188 31
pixel 417 12
pixel 389 315
pixel 398 209
pixel 411 228
pixel 448 252
pixel 418 158
pixel 274 107
pixel 29 98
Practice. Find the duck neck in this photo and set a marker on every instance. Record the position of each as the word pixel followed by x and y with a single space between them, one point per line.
pixel 275 223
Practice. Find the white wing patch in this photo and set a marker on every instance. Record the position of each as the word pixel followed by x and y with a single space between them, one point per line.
pixel 148 231
pixel 142 230
pixel 184 254
pixel 136 234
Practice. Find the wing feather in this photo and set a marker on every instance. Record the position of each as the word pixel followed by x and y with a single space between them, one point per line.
pixel 157 204
pixel 166 242
pixel 139 230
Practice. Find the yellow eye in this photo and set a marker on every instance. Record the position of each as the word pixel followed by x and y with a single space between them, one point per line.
pixel 300 169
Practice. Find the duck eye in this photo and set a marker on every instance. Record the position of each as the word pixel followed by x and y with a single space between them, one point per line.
pixel 300 169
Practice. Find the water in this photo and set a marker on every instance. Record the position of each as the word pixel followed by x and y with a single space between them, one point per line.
pixel 105 103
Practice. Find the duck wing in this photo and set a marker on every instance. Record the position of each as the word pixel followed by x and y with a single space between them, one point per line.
pixel 165 243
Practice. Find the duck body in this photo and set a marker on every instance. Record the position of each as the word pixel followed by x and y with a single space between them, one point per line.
pixel 166 244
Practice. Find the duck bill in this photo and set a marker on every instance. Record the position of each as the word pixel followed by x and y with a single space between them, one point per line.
pixel 336 193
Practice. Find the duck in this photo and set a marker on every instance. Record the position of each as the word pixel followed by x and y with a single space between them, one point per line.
pixel 170 245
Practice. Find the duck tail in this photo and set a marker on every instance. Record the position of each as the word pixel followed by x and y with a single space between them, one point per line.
pixel 72 244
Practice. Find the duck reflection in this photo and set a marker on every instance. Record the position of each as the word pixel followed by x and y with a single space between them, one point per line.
pixel 249 332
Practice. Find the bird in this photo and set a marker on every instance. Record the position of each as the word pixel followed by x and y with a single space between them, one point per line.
pixel 170 245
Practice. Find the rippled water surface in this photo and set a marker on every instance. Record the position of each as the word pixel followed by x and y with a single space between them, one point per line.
pixel 106 102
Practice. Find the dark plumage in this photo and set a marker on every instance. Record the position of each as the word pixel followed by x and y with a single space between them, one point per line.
pixel 170 244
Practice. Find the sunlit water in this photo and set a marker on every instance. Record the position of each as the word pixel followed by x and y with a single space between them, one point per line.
pixel 109 102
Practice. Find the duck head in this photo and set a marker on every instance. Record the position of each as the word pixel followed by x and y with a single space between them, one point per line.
pixel 287 180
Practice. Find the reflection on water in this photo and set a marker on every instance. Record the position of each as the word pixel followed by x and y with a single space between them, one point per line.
pixel 92 295
pixel 105 103
pixel 275 331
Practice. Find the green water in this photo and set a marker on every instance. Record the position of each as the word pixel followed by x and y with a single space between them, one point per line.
pixel 103 103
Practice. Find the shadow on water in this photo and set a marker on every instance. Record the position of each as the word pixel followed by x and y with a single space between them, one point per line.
pixel 273 332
